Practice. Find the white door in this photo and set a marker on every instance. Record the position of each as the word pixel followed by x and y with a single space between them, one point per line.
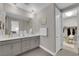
pixel 58 30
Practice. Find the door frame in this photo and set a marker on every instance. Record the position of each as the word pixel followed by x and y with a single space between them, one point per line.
pixel 61 29
pixel 77 30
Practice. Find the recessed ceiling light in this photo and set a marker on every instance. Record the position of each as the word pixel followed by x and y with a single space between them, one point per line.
pixel 70 13
pixel 27 3
pixel 32 10
pixel 14 3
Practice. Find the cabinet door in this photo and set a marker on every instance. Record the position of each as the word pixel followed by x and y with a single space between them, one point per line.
pixel 1 51
pixel 16 48
pixel 37 42
pixel 6 50
pixel 32 43
pixel 25 45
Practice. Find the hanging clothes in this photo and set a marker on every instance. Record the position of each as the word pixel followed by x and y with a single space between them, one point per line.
pixel 73 31
pixel 68 31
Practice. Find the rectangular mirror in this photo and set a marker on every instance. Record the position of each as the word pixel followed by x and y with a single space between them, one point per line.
pixel 17 27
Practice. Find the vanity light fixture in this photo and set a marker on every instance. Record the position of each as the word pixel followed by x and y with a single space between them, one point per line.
pixel 32 14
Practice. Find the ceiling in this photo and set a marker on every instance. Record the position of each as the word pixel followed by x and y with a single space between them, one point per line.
pixel 32 7
pixel 63 5
pixel 66 6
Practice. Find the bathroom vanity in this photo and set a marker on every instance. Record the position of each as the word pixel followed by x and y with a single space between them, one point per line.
pixel 17 33
pixel 18 45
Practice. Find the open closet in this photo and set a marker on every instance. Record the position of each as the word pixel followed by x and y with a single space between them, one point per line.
pixel 70 29
pixel 70 34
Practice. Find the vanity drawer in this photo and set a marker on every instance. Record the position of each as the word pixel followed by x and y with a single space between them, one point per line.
pixel 9 42
pixel 5 42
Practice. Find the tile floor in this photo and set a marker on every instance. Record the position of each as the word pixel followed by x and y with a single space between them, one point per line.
pixel 41 52
pixel 64 52
pixel 36 52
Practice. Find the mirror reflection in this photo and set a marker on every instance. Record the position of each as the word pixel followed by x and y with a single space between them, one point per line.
pixel 17 27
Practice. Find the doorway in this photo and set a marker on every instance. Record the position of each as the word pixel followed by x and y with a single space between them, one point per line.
pixel 58 30
pixel 70 28
pixel 66 30
pixel 70 38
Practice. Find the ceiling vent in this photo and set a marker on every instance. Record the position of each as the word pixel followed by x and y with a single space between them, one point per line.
pixel 27 3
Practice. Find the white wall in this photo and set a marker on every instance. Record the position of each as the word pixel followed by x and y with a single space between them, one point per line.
pixel 70 21
pixel 49 42
pixel 78 32
pixel 1 7
pixel 35 24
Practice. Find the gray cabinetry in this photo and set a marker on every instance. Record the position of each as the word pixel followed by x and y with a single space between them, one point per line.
pixel 34 42
pixel 6 50
pixel 25 44
pixel 18 46
pixel 30 43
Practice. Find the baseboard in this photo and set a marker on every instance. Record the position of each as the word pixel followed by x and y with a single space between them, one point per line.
pixel 47 50
pixel 58 51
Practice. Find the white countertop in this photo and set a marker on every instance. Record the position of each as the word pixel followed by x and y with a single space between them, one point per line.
pixel 17 37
